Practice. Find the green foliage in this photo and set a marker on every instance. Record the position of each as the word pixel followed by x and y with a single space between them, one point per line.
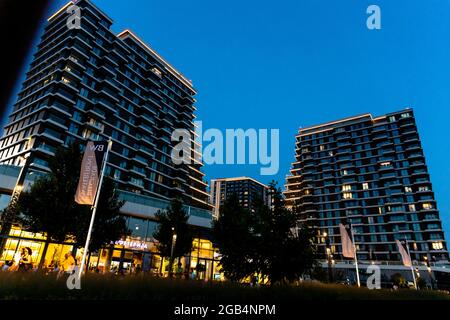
pixel 398 280
pixel 268 242
pixel 421 283
pixel 233 236
pixel 173 221
pixel 109 224
pixel 49 205
pixel 285 249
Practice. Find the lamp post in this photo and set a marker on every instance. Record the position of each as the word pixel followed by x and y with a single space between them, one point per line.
pixel 329 256
pixel 174 239
pixel 430 272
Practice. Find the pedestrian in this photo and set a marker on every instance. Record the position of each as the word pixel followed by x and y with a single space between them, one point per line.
pixel 68 265
pixel 26 263
pixel 7 265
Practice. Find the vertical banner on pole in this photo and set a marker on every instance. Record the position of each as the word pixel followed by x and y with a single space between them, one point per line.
pixel 90 172
pixel 406 258
pixel 90 184
pixel 349 248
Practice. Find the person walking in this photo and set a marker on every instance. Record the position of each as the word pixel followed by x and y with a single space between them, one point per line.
pixel 68 265
pixel 26 263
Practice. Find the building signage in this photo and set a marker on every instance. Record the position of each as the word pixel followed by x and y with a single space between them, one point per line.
pixel 132 244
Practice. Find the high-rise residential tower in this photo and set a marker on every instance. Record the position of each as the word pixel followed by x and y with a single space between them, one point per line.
pixel 89 83
pixel 369 172
pixel 248 191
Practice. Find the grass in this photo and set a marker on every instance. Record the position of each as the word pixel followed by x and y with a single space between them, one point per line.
pixel 16 286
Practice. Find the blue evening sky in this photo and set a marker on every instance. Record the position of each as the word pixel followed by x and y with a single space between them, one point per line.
pixel 286 64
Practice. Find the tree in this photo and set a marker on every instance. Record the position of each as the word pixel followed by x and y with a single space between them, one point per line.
pixel 284 248
pixel 268 241
pixel 233 236
pixel 421 283
pixel 398 280
pixel 49 205
pixel 109 224
pixel 173 221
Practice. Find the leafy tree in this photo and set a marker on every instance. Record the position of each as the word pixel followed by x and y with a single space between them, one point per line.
pixel 284 248
pixel 233 235
pixel 173 221
pixel 398 280
pixel 421 283
pixel 49 205
pixel 268 241
pixel 109 224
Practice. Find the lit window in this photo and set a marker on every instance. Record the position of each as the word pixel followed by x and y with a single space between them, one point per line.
pixel 392 119
pixel 427 206
pixel 380 210
pixel 65 80
pixel 424 189
pixel 157 72
pixel 412 207
pixel 385 164
pixel 365 186
pixel 408 189
pixel 322 148
pixel 437 246
pixel 346 187
pixel 405 115
pixel 344 172
pixel 348 195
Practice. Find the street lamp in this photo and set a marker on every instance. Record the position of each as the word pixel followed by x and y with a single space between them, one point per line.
pixel 430 272
pixel 329 256
pixel 174 239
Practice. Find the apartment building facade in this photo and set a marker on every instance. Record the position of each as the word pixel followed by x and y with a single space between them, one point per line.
pixel 368 172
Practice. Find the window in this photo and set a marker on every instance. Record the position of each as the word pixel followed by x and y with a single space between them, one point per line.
pixel 424 188
pixel 65 80
pixel 408 189
pixel 412 207
pixel 77 116
pixel 81 104
pixel 322 148
pixel 405 115
pixel 437 246
pixel 392 119
pixel 346 187
pixel 73 128
pixel 427 206
pixel 348 195
pixel 365 186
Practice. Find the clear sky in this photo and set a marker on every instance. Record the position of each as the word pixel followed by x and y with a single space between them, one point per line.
pixel 285 64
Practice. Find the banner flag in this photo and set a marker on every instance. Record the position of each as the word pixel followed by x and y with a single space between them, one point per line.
pixel 406 259
pixel 348 250
pixel 90 172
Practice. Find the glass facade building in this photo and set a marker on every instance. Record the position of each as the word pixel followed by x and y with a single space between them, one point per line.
pixel 247 190
pixel 370 173
pixel 89 83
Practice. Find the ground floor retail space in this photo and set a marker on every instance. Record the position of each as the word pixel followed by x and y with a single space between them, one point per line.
pixel 123 257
